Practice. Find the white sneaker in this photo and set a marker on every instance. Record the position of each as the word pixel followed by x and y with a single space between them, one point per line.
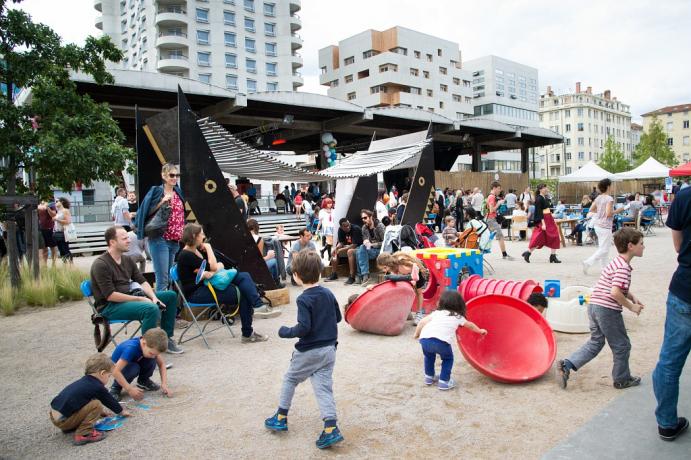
pixel 418 317
pixel 266 312
pixel 446 385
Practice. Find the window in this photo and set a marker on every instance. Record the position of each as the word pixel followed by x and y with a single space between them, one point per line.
pixel 567 127
pixel 351 96
pixel 685 124
pixel 269 10
pixel 685 140
pixel 442 70
pixel 369 53
pixel 441 104
pixel 579 112
pixel 568 170
pixel 581 155
pixel 438 51
pixel 430 93
pixel 232 81
pixel 670 141
pixel 251 86
pixel 466 83
pixel 425 74
pixel 270 29
pixel 249 5
pixel 271 69
pixel 204 58
pixel 251 65
pixel 416 54
pixel 567 141
pixel 270 49
pixel 349 78
pixel 249 24
pixel 205 78
pixel 349 60
pixel 388 67
pixel 202 15
pixel 456 81
pixel 581 141
pixel 429 58
pixel 229 18
pixel 399 50
pixel 443 88
pixel 272 86
pixel 414 90
pixel 568 155
pixel 231 61
pixel 580 126
pixel 363 74
pixel 229 39
pixel 377 89
pixel 203 37
pixel 414 72
pixel 457 98
pixel 250 45
pixel 670 126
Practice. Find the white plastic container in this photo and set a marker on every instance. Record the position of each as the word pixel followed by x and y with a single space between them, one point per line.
pixel 566 314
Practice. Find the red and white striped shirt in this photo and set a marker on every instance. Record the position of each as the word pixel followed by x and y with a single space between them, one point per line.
pixel 616 273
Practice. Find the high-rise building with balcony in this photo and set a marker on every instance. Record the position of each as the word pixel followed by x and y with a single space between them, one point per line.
pixel 398 67
pixel 242 45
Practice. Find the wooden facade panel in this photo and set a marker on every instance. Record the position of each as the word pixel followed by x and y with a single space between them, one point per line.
pixel 467 180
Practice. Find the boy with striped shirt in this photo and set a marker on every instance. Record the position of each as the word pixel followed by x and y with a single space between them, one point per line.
pixel 611 294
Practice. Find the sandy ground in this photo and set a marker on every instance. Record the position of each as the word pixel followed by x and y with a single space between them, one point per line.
pixel 224 394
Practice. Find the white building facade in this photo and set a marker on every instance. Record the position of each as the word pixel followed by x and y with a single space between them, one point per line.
pixel 398 67
pixel 585 120
pixel 242 45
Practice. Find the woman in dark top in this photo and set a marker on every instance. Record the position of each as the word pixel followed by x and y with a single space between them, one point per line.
pixel 189 261
pixel 545 232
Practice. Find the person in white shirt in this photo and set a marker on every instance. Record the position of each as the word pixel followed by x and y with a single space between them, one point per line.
pixel 137 250
pixel 325 228
pixel 380 207
pixel 526 197
pixel 519 225
pixel 437 331
pixel 477 200
pixel 120 210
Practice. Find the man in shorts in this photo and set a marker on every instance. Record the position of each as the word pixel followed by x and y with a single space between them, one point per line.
pixel 493 204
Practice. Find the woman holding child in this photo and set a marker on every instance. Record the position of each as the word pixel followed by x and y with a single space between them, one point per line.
pixel 189 263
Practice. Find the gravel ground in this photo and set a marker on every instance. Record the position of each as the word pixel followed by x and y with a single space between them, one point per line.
pixel 222 395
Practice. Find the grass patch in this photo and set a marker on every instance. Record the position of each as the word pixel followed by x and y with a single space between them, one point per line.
pixel 8 300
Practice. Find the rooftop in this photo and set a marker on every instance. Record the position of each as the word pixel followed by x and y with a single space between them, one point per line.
pixel 669 109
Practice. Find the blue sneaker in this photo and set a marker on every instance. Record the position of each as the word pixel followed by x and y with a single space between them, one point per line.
pixel 329 437
pixel 446 385
pixel 277 423
pixel 430 380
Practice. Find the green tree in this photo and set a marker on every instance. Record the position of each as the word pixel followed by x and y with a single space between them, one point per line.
pixel 654 144
pixel 76 138
pixel 613 159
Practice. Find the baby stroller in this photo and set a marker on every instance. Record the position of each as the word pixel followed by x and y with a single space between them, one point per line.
pixel 425 235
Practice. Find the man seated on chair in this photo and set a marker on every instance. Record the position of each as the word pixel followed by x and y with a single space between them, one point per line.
pixel 304 241
pixel 632 207
pixel 122 293
pixel 349 240
pixel 372 238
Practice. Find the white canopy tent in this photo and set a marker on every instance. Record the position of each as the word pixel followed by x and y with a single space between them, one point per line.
pixel 590 172
pixel 649 169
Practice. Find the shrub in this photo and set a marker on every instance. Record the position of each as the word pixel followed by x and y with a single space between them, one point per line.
pixel 8 299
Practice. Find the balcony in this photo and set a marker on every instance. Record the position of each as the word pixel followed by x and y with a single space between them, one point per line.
pixel 297 61
pixel 295 41
pixel 171 16
pixel 295 6
pixel 98 4
pixel 295 23
pixel 173 63
pixel 99 22
pixel 297 79
pixel 171 40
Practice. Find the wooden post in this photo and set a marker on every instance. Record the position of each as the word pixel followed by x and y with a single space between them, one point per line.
pixel 34 243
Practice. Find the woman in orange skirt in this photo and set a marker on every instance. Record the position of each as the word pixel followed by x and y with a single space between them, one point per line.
pixel 545 232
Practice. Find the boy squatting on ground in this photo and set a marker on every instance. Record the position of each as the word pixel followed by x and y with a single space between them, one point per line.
pixel 437 331
pixel 138 357
pixel 315 352
pixel 80 404
pixel 611 293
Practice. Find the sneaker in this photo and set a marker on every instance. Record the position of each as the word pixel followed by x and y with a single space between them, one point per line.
pixel 329 437
pixel 331 277
pixel 562 374
pixel 264 311
pixel 418 317
pixel 430 380
pixel 367 280
pixel 670 434
pixel 631 382
pixel 279 284
pixel 507 257
pixel 277 423
pixel 585 267
pixel 148 385
pixel 446 385
pixel 254 337
pixel 181 323
pixel 174 348
pixel 94 436
pixel 350 280
pixel 115 393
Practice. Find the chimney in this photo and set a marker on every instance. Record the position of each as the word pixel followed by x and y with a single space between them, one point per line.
pixel 578 87
pixel 614 98
pixel 589 90
pixel 608 93
pixel 549 90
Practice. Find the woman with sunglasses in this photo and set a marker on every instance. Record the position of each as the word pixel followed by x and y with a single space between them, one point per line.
pixel 163 248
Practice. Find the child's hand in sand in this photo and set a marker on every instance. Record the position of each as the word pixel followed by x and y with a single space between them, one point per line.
pixel 135 393
pixel 126 413
pixel 166 391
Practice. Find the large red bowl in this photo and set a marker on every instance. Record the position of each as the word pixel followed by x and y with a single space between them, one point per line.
pixel 519 345
pixel 383 309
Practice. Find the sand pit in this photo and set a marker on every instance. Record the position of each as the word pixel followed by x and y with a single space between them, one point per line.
pixel 224 394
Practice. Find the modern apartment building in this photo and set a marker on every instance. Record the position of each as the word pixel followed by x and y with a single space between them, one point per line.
pixel 585 120
pixel 675 121
pixel 398 67
pixel 243 45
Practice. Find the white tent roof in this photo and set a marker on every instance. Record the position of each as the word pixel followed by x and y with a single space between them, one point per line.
pixel 590 172
pixel 649 169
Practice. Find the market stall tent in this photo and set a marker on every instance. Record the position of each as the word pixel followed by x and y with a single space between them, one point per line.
pixel 590 172
pixel 683 170
pixel 649 169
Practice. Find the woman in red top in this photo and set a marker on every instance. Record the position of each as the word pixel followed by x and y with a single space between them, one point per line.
pixel 545 232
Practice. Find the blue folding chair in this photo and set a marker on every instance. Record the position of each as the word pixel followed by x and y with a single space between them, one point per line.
pixel 88 294
pixel 488 266
pixel 648 217
pixel 210 309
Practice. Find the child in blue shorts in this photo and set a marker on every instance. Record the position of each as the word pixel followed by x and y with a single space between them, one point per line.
pixel 315 352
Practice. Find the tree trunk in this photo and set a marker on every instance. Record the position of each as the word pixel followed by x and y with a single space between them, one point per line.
pixel 12 253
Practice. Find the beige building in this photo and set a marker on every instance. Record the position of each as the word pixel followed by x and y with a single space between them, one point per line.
pixel 675 122
pixel 585 120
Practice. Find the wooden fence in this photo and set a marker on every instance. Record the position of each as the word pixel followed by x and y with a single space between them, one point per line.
pixel 458 180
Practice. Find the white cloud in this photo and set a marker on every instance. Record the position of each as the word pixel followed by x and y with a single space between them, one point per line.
pixel 638 49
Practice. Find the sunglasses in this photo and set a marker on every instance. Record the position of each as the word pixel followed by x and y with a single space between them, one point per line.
pixel 173 176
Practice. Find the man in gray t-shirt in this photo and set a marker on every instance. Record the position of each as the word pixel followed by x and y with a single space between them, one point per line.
pixel 304 241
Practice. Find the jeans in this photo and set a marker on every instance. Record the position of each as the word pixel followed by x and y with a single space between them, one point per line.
pixel 604 243
pixel 363 256
pixel 163 256
pixel 249 298
pixel 142 369
pixel 606 324
pixel 146 312
pixel 675 348
pixel 82 421
pixel 273 267
pixel 316 364
pixel 431 348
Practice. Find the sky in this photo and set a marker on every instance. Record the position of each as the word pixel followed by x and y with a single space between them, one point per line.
pixel 638 49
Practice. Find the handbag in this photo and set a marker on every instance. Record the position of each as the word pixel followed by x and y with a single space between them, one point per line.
pixel 70 233
pixel 222 279
pixel 158 223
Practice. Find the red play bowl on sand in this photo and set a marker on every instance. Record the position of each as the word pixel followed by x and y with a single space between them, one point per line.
pixel 519 345
pixel 383 309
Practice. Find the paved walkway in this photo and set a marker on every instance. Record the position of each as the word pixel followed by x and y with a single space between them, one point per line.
pixel 626 428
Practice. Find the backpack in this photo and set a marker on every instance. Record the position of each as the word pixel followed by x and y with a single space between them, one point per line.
pixel 406 237
pixel 470 238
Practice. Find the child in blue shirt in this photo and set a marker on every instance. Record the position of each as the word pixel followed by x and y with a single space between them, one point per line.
pixel 315 352
pixel 138 357
pixel 80 404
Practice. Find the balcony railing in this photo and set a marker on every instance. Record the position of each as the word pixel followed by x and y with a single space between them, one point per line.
pixel 180 57
pixel 172 34
pixel 172 9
